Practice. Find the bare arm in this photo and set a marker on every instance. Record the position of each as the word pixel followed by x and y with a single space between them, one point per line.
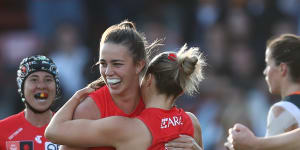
pixel 186 142
pixel 87 109
pixel 286 141
pixel 241 138
pixel 197 130
pixel 87 133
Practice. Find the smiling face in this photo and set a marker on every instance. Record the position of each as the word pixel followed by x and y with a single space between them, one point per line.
pixel 118 69
pixel 43 83
pixel 272 73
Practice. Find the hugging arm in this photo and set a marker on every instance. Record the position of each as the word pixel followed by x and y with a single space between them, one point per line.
pixel 85 110
pixel 81 132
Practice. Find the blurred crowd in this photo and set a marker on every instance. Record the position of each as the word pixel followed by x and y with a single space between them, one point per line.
pixel 231 33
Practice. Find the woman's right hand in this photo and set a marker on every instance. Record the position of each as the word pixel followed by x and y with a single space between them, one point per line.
pixel 241 138
pixel 82 93
pixel 97 84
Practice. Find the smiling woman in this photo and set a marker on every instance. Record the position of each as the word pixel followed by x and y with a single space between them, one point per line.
pixel 118 69
pixel 38 84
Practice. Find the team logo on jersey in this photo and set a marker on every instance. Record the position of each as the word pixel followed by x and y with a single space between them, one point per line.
pixel 51 146
pixel 26 145
pixel 15 133
pixel 19 145
pixel 12 145
pixel 38 139
pixel 174 121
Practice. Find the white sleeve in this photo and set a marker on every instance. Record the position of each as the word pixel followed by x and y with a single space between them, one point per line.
pixel 283 116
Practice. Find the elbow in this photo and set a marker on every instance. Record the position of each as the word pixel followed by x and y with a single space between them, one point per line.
pixel 56 135
pixel 50 134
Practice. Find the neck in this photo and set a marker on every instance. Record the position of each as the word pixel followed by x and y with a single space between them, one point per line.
pixel 127 102
pixel 289 88
pixel 159 101
pixel 38 119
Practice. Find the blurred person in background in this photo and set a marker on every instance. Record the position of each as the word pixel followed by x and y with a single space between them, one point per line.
pixel 38 85
pixel 71 57
pixel 248 141
pixel 123 57
pixel 14 46
pixel 244 139
pixel 283 78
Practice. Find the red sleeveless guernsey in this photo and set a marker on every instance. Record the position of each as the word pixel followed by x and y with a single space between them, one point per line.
pixel 16 133
pixel 108 108
pixel 166 125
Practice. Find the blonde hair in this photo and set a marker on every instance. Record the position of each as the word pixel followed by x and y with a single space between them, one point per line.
pixel 178 72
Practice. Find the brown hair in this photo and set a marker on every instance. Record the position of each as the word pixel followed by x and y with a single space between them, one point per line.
pixel 178 74
pixel 286 49
pixel 125 33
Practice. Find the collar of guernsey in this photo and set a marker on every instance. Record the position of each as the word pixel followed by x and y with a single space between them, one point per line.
pixel 293 98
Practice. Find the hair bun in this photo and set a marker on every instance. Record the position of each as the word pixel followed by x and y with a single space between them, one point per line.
pixel 127 24
pixel 188 64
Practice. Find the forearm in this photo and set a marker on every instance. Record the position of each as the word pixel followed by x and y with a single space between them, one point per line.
pixel 59 122
pixel 198 147
pixel 64 147
pixel 62 120
pixel 87 109
pixel 286 141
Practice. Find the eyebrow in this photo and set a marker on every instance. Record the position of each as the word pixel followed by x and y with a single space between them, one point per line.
pixel 36 76
pixel 49 76
pixel 113 61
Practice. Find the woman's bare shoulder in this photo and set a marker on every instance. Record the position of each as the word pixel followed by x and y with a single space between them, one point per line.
pixel 87 109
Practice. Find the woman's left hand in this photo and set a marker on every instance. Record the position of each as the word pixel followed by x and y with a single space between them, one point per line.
pixel 183 142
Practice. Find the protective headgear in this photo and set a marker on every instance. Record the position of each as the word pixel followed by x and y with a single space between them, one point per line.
pixel 33 64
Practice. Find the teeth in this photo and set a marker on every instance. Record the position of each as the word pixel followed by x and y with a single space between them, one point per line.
pixel 113 81
pixel 42 100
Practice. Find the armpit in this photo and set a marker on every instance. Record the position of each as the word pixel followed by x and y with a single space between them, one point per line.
pixel 292 127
